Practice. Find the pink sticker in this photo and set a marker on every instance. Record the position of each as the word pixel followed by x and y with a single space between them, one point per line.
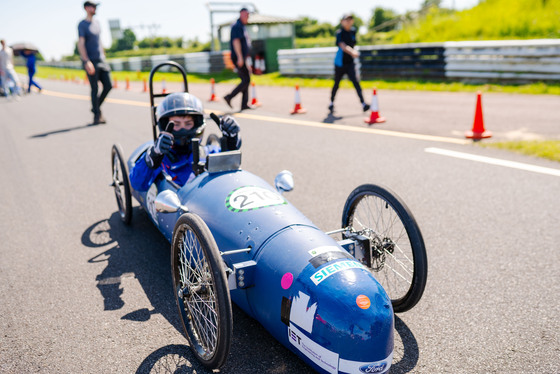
pixel 287 280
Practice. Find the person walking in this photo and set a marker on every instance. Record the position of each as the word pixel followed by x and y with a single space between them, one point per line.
pixel 93 60
pixel 344 59
pixel 30 63
pixel 240 46
pixel 7 72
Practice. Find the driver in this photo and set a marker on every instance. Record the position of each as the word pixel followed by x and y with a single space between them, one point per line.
pixel 180 118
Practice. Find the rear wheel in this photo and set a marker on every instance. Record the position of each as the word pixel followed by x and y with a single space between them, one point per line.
pixel 201 292
pixel 121 184
pixel 398 256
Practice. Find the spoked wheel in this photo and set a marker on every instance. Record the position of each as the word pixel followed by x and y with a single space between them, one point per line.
pixel 201 291
pixel 121 184
pixel 398 256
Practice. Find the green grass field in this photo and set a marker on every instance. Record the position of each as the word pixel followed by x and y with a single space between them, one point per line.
pixel 549 149
pixel 275 79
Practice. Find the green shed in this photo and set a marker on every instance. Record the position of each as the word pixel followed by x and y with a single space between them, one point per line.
pixel 268 34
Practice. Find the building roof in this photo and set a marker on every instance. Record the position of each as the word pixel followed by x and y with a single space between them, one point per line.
pixel 260 19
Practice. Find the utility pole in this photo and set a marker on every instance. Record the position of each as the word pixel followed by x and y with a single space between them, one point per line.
pixel 227 7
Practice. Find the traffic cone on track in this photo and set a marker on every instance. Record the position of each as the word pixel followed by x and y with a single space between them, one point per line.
pixel 478 132
pixel 145 89
pixel 164 87
pixel 213 96
pixel 374 116
pixel 298 109
pixel 115 83
pixel 255 101
pixel 127 84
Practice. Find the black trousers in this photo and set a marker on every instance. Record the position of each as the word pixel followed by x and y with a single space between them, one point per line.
pixel 103 75
pixel 349 70
pixel 242 87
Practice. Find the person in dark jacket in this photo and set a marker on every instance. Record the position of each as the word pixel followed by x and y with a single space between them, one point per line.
pixel 240 46
pixel 344 59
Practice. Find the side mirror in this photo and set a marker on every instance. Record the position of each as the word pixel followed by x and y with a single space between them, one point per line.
pixel 284 181
pixel 168 202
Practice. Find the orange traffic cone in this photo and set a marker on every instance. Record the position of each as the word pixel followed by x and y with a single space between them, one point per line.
pixel 374 116
pixel 478 132
pixel 86 80
pixel 298 108
pixel 164 88
pixel 145 89
pixel 115 83
pixel 213 96
pixel 127 84
pixel 255 101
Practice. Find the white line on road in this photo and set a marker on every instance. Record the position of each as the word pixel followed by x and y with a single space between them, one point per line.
pixel 494 161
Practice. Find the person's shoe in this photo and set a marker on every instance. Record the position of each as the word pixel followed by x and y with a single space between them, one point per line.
pixel 245 107
pixel 99 119
pixel 331 108
pixel 365 107
pixel 227 99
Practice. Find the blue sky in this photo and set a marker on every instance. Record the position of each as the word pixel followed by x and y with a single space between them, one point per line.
pixel 52 24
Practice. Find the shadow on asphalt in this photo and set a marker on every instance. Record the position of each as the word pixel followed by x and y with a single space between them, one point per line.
pixel 62 131
pixel 140 251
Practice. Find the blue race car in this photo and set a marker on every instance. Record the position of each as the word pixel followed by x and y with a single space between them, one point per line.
pixel 236 238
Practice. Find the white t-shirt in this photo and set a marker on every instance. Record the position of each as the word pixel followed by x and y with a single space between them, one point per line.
pixel 6 56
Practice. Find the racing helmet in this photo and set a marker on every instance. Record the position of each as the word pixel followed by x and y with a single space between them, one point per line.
pixel 181 104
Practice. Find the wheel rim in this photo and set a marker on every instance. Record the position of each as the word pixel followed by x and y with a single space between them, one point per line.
pixel 118 184
pixel 392 255
pixel 196 295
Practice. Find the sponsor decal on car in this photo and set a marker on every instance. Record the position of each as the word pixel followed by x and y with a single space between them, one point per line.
pixel 151 201
pixel 248 198
pixel 377 367
pixel 325 359
pixel 334 268
pixel 302 315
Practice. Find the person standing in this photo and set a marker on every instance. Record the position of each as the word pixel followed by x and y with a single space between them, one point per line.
pixel 30 63
pixel 93 60
pixel 344 59
pixel 7 72
pixel 240 46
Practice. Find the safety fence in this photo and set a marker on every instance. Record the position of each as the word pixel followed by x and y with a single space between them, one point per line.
pixel 201 62
pixel 508 60
pixel 505 60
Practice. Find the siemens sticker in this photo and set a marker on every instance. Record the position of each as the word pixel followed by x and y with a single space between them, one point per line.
pixel 327 271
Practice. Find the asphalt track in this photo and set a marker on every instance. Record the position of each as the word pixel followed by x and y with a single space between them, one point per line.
pixel 82 293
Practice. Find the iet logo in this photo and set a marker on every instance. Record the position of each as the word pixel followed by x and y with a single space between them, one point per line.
pixel 373 368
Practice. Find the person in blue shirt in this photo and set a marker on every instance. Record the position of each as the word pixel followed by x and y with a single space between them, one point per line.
pixel 240 46
pixel 30 63
pixel 344 59
pixel 180 118
pixel 93 60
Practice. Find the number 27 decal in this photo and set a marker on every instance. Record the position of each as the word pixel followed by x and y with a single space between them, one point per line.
pixel 252 197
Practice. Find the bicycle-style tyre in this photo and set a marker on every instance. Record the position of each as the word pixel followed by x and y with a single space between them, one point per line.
pixel 398 258
pixel 121 184
pixel 201 291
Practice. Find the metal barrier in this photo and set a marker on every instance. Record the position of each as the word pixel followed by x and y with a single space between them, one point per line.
pixel 518 60
pixel 507 60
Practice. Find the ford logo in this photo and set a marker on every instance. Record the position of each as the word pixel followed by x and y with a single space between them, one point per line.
pixel 373 368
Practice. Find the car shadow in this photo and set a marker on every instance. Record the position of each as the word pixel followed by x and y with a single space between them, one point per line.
pixel 140 251
pixel 62 131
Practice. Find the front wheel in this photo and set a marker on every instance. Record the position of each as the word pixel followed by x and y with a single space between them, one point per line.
pixel 201 292
pixel 397 255
pixel 121 184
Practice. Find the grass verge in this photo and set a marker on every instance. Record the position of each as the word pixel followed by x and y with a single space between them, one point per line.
pixel 275 79
pixel 549 149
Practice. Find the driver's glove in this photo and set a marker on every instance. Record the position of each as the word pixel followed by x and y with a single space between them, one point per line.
pixel 229 126
pixel 155 153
